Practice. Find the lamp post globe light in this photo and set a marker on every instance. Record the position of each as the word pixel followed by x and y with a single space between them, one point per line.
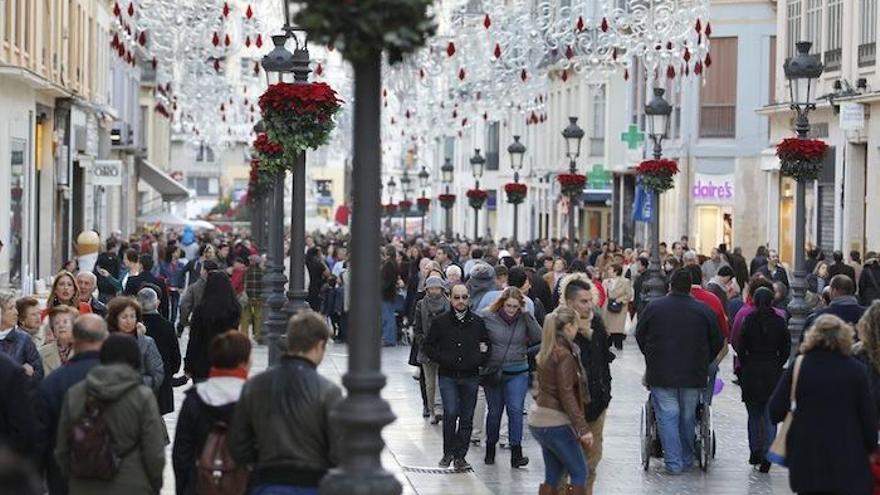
pixel 517 151
pixel 573 134
pixel 657 113
pixel 802 71
pixel 424 177
pixel 477 164
pixel 405 190
pixel 446 171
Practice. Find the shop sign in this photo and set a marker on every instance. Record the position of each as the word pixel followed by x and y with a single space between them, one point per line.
pixel 712 188
pixel 107 173
pixel 852 116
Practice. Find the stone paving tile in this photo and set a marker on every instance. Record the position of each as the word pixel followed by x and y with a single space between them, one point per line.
pixel 413 442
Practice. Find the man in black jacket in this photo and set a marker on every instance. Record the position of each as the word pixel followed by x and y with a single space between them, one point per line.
pixel 144 277
pixel 17 424
pixel 390 283
pixel 841 268
pixel 161 331
pixel 459 342
pixel 844 303
pixel 869 280
pixel 679 337
pixel 281 426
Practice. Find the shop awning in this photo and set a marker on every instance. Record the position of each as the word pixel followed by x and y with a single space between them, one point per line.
pixel 171 190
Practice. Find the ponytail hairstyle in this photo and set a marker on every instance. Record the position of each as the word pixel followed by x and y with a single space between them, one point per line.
pixel 552 328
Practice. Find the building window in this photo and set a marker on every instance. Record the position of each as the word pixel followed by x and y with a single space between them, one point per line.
pixel 835 36
pixel 718 95
pixel 793 26
pixel 492 144
pixel 597 138
pixel 204 153
pixel 773 69
pixel 868 33
pixel 814 25
pixel 204 186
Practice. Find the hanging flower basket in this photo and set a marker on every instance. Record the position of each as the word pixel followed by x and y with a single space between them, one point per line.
pixel 269 154
pixel 367 27
pixel 259 183
pixel 476 198
pixel 298 116
pixel 572 184
pixel 404 205
pixel 657 174
pixel 801 159
pixel 390 209
pixel 447 201
pixel 516 192
pixel 424 204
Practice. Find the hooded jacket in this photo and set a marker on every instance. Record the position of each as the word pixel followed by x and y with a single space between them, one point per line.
pixel 205 404
pixel 481 281
pixel 130 412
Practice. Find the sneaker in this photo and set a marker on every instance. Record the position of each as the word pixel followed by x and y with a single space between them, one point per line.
pixel 764 467
pixel 461 465
pixel 446 461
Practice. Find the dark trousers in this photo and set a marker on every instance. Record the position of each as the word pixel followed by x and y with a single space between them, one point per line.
pixel 459 399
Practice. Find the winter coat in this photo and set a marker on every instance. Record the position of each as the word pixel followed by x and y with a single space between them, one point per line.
pixel 847 308
pixel 869 282
pixel 596 359
pixel 152 367
pixel 423 318
pixel 130 412
pixel 162 333
pixel 834 428
pixel 17 420
pixel 778 275
pixel 455 345
pixel 762 353
pixel 202 331
pixel 757 263
pixel 562 384
pixel 525 333
pixel 873 374
pixel 390 277
pixel 19 346
pixel 52 392
pixel 679 337
pixel 205 404
pixel 146 279
pixel 620 289
pixel 740 270
pixel 281 425
pixel 841 269
pixel 191 298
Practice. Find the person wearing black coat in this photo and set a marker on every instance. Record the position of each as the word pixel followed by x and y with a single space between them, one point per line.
pixel 759 261
pixel 841 268
pixel 17 421
pixel 844 303
pixel 740 269
pixel 162 332
pixel 208 403
pixel 834 428
pixel 869 280
pixel 145 278
pixel 763 348
pixel 218 311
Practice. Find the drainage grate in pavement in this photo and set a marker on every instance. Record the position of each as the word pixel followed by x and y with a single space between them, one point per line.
pixel 435 470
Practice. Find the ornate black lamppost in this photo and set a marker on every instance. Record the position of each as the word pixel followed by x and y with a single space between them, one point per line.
pixel 391 185
pixel 657 113
pixel 573 135
pixel 276 63
pixel 424 176
pixel 477 163
pixel 802 71
pixel 406 190
pixel 446 171
pixel 516 150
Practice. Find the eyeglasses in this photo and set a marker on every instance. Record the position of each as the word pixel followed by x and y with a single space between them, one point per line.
pixel 461 298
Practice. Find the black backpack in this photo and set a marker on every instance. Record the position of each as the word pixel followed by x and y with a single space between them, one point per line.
pixel 92 455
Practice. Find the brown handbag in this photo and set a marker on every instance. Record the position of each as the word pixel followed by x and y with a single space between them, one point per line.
pixel 777 451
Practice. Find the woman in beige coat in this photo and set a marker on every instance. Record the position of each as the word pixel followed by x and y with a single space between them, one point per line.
pixel 619 293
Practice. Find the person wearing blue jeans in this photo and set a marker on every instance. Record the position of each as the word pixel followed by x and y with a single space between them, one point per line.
pixel 508 396
pixel 389 324
pixel 563 453
pixel 762 431
pixel 283 490
pixel 390 283
pixel 676 412
pixel 459 398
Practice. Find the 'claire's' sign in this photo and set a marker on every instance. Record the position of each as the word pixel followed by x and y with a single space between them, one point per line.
pixel 712 188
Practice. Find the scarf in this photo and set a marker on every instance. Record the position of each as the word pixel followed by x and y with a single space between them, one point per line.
pixel 224 372
pixel 431 306
pixel 510 320
pixel 64 353
pixel 460 315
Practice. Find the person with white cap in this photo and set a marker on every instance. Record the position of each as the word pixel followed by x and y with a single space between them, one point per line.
pixel 427 310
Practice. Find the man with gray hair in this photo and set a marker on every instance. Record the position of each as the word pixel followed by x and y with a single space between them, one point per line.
pixel 162 332
pixel 89 332
pixel 86 282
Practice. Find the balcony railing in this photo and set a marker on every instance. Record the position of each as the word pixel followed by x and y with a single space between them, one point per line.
pixel 867 54
pixel 717 121
pixel 832 59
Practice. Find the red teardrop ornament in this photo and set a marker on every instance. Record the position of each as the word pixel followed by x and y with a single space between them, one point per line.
pixel 259 41
pixel 227 40
pixel 487 22
pixel 626 74
pixel 580 24
pixel 461 74
pixel 708 60
pixel 614 54
pixel 604 25
pixel 523 75
pixel 130 9
pixel 699 26
pixel 116 10
pixel 249 12
pixel 225 9
pixel 708 30
pixel 497 51
pixel 450 49
pixel 247 41
pixel 256 68
pixel 319 70
pixel 669 45
pixel 569 52
pixel 485 116
pixel 216 39
pixel 455 114
pixel 154 62
pixel 687 55
pixel 222 107
pixel 564 75
pixel 421 73
pixel 217 65
pixel 464 122
pixel 142 39
pixel 670 72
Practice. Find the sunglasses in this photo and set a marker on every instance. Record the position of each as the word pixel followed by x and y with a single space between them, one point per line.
pixel 461 298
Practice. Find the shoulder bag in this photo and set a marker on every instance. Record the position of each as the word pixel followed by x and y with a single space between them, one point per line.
pixel 492 375
pixel 776 453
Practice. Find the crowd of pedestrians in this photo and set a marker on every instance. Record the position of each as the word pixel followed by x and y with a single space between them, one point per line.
pixel 505 338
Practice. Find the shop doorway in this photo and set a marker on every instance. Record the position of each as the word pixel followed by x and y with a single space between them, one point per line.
pixel 596 223
pixel 710 228
pixel 786 220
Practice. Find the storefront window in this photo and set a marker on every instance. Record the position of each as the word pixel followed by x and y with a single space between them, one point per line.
pixel 786 220
pixel 16 227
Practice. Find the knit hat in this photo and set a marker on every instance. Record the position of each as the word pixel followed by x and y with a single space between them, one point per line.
pixel 482 271
pixel 434 281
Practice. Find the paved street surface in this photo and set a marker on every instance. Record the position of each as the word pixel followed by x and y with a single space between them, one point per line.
pixel 413 443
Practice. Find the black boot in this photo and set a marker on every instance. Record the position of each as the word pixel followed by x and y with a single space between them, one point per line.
pixel 516 458
pixel 490 454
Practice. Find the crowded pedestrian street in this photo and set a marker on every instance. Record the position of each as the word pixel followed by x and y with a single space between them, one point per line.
pixel 439 247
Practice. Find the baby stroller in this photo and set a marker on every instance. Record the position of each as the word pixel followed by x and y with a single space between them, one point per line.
pixel 704 440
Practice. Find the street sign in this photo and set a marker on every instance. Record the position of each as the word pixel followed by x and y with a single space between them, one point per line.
pixel 852 116
pixel 107 173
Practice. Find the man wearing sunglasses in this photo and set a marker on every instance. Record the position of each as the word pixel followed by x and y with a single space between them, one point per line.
pixel 459 343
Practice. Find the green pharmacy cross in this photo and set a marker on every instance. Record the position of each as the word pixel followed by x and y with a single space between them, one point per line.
pixel 632 137
pixel 598 177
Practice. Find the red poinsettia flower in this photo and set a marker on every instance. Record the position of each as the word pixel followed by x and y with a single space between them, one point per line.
pixel 265 146
pixel 573 180
pixel 477 194
pixel 658 167
pixel 795 149
pixel 405 204
pixel 515 188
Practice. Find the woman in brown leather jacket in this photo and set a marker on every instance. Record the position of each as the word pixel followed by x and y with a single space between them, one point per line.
pixel 556 419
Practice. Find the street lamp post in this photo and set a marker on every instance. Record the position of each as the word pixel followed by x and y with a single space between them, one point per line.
pixel 802 72
pixel 657 113
pixel 477 163
pixel 405 182
pixel 573 135
pixel 424 176
pixel 446 171
pixel 391 186
pixel 516 150
pixel 276 63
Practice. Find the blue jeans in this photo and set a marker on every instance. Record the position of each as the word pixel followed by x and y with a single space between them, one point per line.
pixel 562 452
pixel 459 399
pixel 510 394
pixel 676 413
pixel 283 490
pixel 762 431
pixel 389 324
